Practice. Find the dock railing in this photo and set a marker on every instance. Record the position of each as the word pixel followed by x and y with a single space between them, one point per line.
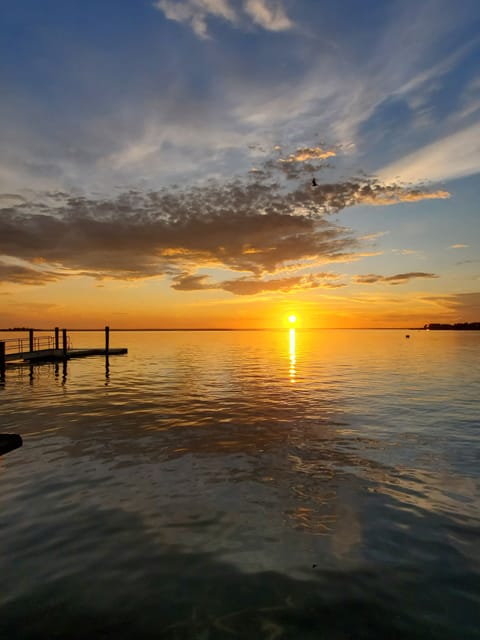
pixel 12 348
pixel 22 345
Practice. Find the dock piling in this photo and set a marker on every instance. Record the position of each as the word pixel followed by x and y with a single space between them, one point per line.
pixel 57 341
pixel 30 339
pixel 107 340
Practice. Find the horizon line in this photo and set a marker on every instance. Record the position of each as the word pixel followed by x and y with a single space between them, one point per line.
pixel 24 329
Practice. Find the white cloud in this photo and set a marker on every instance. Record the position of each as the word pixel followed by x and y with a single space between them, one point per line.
pixel 310 153
pixel 269 14
pixel 196 12
pixel 455 156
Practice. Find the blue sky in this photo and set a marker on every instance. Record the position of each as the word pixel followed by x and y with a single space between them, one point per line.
pixel 208 102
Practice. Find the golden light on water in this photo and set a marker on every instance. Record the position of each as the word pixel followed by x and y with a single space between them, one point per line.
pixel 293 357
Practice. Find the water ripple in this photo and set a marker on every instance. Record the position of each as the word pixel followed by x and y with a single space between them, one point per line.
pixel 203 472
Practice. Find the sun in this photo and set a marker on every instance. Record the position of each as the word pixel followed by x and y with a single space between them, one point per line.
pixel 292 319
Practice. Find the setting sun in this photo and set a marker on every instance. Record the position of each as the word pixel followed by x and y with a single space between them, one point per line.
pixel 292 318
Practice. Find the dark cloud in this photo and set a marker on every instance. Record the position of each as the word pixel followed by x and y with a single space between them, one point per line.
pixel 145 235
pixel 26 275
pixel 191 283
pixel 259 225
pixel 251 227
pixel 248 287
pixel 399 278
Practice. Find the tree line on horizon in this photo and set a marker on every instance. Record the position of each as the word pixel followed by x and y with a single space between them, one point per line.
pixel 457 326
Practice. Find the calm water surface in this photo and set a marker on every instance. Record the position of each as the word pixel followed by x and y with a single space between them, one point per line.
pixel 308 484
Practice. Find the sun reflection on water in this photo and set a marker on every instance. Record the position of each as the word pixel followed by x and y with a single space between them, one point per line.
pixel 293 358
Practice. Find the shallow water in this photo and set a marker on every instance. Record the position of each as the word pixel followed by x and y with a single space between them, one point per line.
pixel 303 484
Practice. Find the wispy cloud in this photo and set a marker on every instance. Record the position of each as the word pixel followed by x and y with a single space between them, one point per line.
pixel 30 275
pixel 399 278
pixel 405 252
pixel 455 156
pixel 458 246
pixel 456 307
pixel 382 195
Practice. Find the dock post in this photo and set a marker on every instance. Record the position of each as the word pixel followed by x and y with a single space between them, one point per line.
pixel 30 339
pixel 64 337
pixel 3 365
pixel 57 341
pixel 107 340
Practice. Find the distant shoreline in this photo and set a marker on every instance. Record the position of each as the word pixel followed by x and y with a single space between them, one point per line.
pixel 458 326
pixel 465 326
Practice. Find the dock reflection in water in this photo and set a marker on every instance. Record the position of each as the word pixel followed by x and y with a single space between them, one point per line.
pixel 58 370
pixel 202 494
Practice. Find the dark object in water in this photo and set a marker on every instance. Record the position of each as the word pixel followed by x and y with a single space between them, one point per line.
pixel 314 182
pixel 407 335
pixel 9 442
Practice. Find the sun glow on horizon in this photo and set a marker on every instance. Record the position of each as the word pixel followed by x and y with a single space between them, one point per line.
pixel 292 318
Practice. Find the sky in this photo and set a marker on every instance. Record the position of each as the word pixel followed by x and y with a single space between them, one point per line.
pixel 228 163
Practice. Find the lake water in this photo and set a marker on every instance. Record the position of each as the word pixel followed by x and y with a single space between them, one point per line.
pixel 284 484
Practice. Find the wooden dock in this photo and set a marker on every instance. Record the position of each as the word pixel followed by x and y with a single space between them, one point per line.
pixel 52 355
pixel 35 350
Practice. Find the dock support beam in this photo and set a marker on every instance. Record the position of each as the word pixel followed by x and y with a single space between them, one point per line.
pixel 57 340
pixel 30 339
pixel 3 365
pixel 107 340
